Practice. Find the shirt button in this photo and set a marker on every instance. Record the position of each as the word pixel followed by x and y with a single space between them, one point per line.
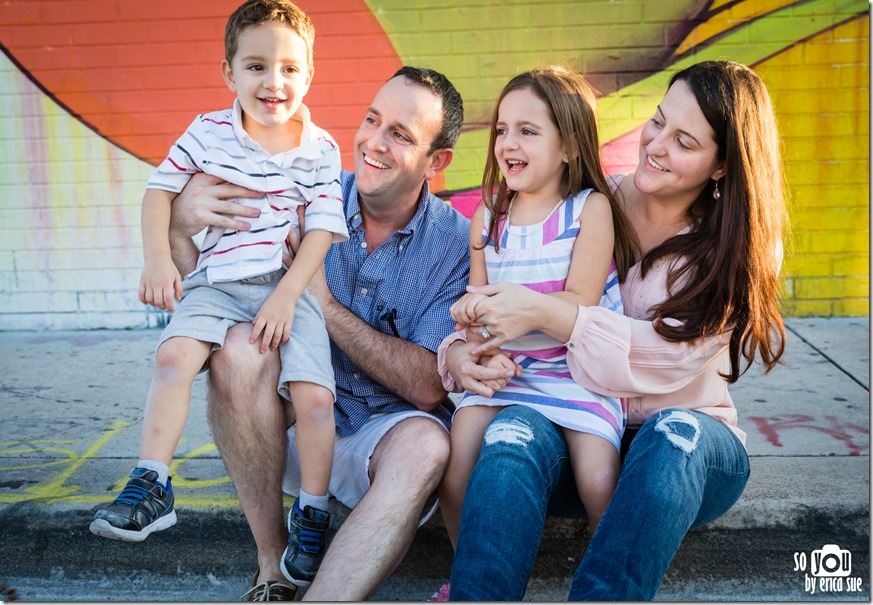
pixel 357 376
pixel 364 291
pixel 401 247
pixel 571 345
pixel 363 244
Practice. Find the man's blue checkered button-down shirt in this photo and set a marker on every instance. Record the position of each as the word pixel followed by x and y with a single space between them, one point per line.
pixel 405 287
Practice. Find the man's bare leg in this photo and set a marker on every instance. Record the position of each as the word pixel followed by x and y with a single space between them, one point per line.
pixel 248 423
pixel 405 470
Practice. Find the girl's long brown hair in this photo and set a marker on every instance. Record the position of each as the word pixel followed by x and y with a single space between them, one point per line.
pixel 730 260
pixel 571 102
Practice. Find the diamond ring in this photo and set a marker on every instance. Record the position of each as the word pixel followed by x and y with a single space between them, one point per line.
pixel 485 333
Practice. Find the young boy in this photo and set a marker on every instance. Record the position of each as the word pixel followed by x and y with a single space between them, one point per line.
pixel 266 143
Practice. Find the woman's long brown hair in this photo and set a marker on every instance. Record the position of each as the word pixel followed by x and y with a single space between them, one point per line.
pixel 727 277
pixel 571 102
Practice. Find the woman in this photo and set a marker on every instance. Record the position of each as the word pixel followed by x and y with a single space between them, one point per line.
pixel 707 207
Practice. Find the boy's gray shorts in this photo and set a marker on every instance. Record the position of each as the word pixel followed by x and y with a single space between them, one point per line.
pixel 208 310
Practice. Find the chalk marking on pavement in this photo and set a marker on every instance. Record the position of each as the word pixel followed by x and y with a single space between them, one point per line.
pixel 70 454
pixel 54 489
pixel 181 481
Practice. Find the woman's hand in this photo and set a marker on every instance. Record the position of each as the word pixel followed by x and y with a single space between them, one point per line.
pixel 465 369
pixel 205 201
pixel 511 311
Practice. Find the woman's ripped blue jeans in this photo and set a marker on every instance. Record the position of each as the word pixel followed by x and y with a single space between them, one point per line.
pixel 683 469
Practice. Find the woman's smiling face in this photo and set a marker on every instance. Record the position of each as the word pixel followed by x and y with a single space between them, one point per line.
pixel 678 152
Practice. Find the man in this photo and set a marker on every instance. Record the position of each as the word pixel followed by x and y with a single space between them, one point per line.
pixel 385 294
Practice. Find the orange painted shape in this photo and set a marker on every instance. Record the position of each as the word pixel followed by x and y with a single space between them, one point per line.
pixel 138 73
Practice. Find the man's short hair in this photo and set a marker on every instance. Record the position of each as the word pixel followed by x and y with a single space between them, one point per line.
pixel 453 105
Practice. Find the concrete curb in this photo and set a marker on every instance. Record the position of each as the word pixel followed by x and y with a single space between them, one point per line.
pixel 69 430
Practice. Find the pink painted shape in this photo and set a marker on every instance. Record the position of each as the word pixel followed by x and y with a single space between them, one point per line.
pixel 621 155
pixel 465 202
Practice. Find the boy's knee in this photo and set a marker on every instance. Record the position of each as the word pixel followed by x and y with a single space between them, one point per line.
pixel 172 360
pixel 311 401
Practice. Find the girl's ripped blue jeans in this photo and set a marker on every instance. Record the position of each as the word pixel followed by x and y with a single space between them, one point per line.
pixel 683 469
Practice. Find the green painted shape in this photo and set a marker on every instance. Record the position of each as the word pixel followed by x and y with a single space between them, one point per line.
pixel 748 44
pixel 480 45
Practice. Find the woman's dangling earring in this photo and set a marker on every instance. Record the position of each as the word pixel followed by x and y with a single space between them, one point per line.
pixel 716 194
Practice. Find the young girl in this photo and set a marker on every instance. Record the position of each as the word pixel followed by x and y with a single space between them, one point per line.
pixel 548 222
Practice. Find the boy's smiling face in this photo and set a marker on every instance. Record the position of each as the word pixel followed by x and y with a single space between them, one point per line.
pixel 270 73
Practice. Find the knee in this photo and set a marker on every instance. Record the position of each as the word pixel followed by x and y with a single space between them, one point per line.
pixel 599 481
pixel 415 452
pixel 434 444
pixel 679 427
pixel 669 440
pixel 238 367
pixel 311 402
pixel 666 460
pixel 519 433
pixel 172 361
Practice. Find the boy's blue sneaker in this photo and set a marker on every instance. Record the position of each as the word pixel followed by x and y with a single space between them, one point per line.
pixel 144 506
pixel 307 534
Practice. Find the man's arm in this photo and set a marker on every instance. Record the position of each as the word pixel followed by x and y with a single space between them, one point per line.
pixel 183 251
pixel 399 365
pixel 205 201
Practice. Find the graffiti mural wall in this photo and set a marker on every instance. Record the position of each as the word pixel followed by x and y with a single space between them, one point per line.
pixel 93 92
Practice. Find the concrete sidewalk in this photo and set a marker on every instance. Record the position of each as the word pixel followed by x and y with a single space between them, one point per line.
pixel 72 402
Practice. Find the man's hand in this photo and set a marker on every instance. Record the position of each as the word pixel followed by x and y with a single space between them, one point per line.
pixel 205 201
pixel 160 285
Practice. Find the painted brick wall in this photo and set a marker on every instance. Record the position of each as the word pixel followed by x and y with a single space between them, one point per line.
pixel 92 92
pixel 821 92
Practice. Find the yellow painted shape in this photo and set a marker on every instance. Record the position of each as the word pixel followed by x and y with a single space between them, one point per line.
pixel 851 306
pixel 721 22
pixel 224 501
pixel 828 167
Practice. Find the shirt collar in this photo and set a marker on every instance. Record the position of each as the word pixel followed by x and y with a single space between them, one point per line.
pixel 308 137
pixel 354 219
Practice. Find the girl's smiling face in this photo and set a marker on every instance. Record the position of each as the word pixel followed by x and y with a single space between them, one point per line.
pixel 528 148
